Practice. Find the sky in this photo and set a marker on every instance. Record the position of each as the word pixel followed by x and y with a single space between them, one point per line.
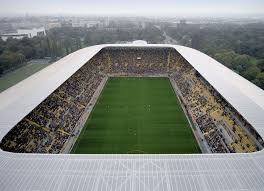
pixel 132 7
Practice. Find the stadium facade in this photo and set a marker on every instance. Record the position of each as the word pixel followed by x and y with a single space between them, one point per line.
pixel 236 171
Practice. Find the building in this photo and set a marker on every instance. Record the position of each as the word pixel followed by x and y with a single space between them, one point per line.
pixel 78 24
pixel 183 22
pixel 53 25
pixel 90 24
pixel 21 33
pixel 237 171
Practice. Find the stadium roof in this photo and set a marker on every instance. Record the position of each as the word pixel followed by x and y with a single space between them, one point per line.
pixel 131 172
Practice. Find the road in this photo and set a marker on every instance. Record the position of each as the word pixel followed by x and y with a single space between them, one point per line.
pixel 168 39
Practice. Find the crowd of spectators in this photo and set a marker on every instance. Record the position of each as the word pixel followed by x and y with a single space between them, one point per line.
pixel 48 127
pixel 223 128
pixel 138 61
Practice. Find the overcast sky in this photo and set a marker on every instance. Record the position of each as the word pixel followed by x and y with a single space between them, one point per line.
pixel 133 7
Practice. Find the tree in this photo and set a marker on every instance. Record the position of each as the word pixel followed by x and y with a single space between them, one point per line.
pixel 260 65
pixel 251 72
pixel 227 58
pixel 259 81
pixel 10 60
pixel 241 63
pixel 27 51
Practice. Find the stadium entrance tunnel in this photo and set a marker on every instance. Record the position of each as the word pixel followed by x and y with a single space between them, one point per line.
pixel 133 99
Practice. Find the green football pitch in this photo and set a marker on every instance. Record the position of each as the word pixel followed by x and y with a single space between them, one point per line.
pixel 137 115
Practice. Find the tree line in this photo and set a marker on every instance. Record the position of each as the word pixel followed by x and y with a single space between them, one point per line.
pixel 61 41
pixel 239 47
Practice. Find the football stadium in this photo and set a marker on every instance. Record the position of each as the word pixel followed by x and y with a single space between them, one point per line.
pixel 133 117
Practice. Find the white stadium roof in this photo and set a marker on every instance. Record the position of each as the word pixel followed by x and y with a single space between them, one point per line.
pixel 131 172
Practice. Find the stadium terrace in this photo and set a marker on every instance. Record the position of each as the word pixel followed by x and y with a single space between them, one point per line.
pixel 61 110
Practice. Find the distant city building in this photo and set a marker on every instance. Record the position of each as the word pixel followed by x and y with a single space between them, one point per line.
pixel 5 27
pixel 53 25
pixel 182 22
pixel 66 24
pixel 90 24
pixel 142 24
pixel 79 24
pixel 4 37
pixel 106 22
pixel 32 32
pixel 21 33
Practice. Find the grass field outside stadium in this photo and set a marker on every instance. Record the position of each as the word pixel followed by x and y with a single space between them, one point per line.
pixel 12 78
pixel 137 115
